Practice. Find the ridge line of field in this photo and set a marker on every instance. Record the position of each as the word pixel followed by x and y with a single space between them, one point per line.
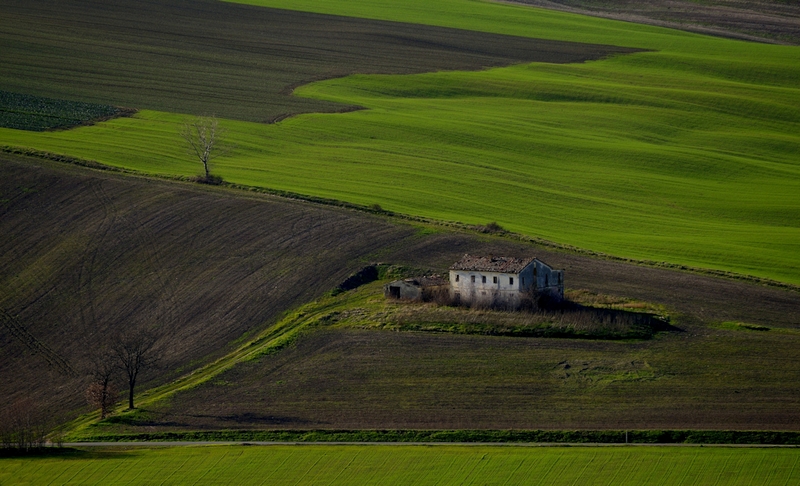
pixel 725 274
pixel 190 443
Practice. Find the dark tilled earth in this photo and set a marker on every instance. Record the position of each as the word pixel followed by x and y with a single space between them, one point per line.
pixel 360 379
pixel 776 21
pixel 87 253
pixel 235 61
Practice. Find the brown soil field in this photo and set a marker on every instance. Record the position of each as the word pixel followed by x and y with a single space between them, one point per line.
pixel 235 61
pixel 89 252
pixel 361 379
pixel 775 21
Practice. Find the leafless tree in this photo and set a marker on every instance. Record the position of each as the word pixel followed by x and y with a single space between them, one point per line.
pixel 135 351
pixel 204 138
pixel 102 396
pixel 23 426
pixel 101 392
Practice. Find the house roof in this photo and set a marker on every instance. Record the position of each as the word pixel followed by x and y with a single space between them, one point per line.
pixel 491 264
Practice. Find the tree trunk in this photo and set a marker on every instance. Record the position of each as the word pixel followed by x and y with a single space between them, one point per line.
pixel 130 394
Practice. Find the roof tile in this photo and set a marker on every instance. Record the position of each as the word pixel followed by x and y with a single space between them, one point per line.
pixel 491 264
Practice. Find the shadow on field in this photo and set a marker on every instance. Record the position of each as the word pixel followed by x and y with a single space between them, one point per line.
pixel 64 453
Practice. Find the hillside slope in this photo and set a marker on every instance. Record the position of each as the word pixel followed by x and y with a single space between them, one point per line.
pixel 89 252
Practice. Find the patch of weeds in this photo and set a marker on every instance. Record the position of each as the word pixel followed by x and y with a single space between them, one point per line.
pixel 137 416
pixel 425 230
pixel 602 301
pixel 211 180
pixel 741 326
pixel 600 373
pixel 490 228
pixel 578 323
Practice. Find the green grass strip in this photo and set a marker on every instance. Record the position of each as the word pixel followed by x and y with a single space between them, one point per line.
pixel 402 465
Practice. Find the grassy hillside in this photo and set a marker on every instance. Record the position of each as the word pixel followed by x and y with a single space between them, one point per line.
pixel 686 154
pixel 411 464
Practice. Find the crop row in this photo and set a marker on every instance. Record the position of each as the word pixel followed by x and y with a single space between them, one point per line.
pixel 36 113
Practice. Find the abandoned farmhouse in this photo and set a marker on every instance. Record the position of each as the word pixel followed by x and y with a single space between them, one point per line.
pixel 486 280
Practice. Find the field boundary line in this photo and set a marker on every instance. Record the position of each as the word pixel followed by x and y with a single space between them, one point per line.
pixel 189 443
pixel 456 225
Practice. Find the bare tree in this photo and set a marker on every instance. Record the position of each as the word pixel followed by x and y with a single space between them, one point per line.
pixel 135 351
pixel 23 426
pixel 204 138
pixel 101 395
pixel 101 392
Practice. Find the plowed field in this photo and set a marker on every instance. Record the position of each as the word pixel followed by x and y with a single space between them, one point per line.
pixel 88 252
pixel 235 61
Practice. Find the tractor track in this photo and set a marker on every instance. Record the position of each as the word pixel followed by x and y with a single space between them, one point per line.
pixel 18 330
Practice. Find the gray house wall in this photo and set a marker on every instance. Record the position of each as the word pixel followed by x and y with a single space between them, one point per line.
pixel 504 288
pixel 548 279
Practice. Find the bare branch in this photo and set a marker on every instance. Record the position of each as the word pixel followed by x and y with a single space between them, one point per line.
pixel 204 139
pixel 136 351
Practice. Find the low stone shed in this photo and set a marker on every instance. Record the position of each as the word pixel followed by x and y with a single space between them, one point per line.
pixel 419 288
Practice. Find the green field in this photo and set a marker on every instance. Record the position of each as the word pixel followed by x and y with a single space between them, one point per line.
pixel 384 464
pixel 686 154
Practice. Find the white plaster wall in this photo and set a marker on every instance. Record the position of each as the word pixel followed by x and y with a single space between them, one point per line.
pixel 479 291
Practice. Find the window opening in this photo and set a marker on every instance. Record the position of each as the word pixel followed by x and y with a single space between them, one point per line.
pixel 510 280
pixel 483 279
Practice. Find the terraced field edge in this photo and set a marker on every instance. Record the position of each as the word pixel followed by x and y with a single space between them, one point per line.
pixel 739 437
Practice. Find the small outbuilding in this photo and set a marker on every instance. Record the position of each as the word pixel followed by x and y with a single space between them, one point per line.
pixel 419 288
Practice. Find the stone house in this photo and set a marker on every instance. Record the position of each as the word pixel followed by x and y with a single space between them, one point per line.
pixel 504 281
pixel 420 288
